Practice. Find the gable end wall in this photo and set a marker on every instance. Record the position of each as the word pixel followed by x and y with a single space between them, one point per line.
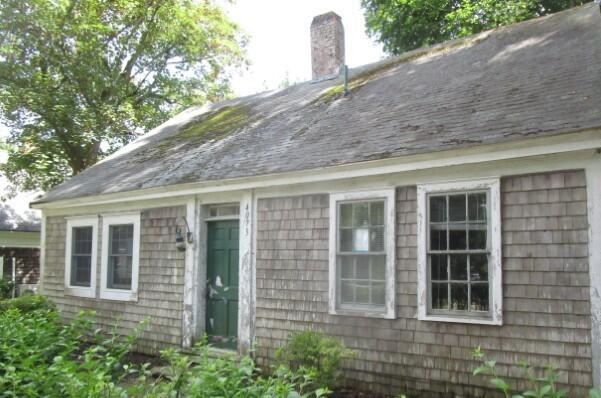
pixel 545 293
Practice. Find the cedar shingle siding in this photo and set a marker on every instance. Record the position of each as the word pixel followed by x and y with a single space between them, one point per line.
pixel 546 317
pixel 160 285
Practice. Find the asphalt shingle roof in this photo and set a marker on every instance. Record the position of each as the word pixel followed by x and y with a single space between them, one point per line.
pixel 537 78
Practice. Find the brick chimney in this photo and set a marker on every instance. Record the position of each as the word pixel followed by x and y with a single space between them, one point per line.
pixel 327 45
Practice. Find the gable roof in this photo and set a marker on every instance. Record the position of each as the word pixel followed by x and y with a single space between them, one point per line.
pixel 536 78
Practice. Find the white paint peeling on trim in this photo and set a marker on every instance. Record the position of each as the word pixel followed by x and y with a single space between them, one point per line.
pixel 593 186
pixel 246 282
pixel 496 283
pixel 190 281
pixel 389 195
pixel 484 153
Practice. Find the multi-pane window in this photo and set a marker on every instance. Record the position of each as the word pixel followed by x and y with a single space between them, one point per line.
pixel 361 253
pixel 81 256
pixel 458 252
pixel 120 256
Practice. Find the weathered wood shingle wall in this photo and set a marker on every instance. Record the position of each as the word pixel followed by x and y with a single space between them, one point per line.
pixel 160 284
pixel 545 292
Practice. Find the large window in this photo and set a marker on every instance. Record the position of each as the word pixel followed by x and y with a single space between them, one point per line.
pixel 80 256
pixel 362 253
pixel 120 257
pixel 459 256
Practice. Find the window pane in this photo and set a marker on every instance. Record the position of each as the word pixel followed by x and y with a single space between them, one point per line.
pixel 438 238
pixel 81 256
pixel 479 297
pixel 440 296
pixel 438 209
pixel 347 267
pixel 378 268
pixel 378 293
pixel 362 268
pixel 362 292
pixel 459 267
pixel 361 240
pixel 477 237
pixel 346 240
pixel 479 267
pixel 438 270
pixel 360 215
pixel 376 239
pixel 346 292
pixel 457 237
pixel 81 267
pixel 458 296
pixel 119 272
pixel 346 215
pixel 120 256
pixel 376 213
pixel 457 207
pixel 477 206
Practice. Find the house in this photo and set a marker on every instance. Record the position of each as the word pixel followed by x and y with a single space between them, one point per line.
pixel 19 238
pixel 448 198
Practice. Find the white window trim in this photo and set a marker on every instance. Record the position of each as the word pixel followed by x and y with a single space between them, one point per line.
pixel 120 294
pixel 81 291
pixel 389 307
pixel 495 267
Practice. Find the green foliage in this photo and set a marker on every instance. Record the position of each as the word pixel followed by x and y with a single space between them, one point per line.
pixel 203 376
pixel 316 352
pixel 27 303
pixel 6 288
pixel 403 25
pixel 540 386
pixel 42 357
pixel 78 79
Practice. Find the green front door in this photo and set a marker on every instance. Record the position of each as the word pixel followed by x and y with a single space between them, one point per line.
pixel 222 283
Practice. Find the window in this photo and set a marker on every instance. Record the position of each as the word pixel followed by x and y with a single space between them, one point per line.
pixel 362 253
pixel 80 256
pixel 120 257
pixel 224 211
pixel 459 269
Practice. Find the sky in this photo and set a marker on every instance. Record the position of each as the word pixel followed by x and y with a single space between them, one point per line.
pixel 279 46
pixel 279 40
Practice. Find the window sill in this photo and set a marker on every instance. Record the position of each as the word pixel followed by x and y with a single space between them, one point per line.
pixel 86 292
pixel 459 319
pixel 118 295
pixel 362 313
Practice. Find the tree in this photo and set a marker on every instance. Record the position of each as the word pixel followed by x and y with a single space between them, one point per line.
pixel 403 25
pixel 80 78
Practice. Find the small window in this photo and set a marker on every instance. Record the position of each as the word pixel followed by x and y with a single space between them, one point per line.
pixel 459 260
pixel 120 257
pixel 224 211
pixel 362 253
pixel 80 256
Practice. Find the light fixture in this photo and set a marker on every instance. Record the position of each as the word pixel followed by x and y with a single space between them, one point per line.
pixel 180 242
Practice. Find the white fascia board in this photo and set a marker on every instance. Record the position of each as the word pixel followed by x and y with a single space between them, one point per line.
pixel 557 144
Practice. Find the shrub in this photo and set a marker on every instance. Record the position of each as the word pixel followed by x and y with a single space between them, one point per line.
pixel 316 352
pixel 6 288
pixel 41 356
pixel 544 386
pixel 202 376
pixel 27 303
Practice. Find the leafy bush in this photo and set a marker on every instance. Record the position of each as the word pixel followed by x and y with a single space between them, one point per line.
pixel 202 376
pixel 316 352
pixel 27 303
pixel 40 356
pixel 544 386
pixel 6 288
